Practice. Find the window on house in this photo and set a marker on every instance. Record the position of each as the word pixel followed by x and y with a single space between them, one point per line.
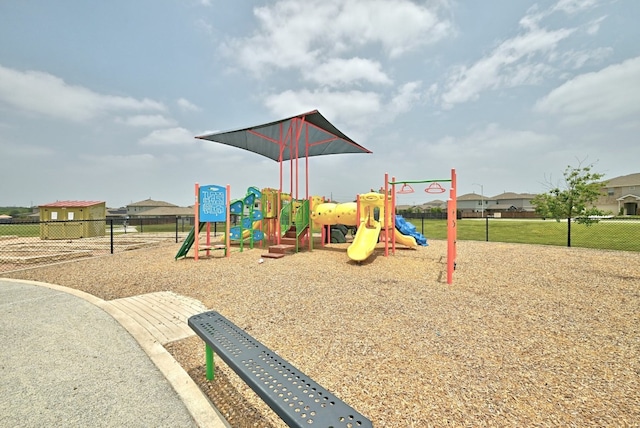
pixel 610 192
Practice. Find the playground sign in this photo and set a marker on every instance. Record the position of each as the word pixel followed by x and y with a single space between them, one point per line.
pixel 213 204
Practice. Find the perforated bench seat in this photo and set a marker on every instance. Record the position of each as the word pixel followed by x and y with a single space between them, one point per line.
pixel 297 399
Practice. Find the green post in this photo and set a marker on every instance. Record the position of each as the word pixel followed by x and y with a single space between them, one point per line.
pixel 210 364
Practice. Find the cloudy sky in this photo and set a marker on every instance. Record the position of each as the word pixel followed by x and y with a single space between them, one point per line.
pixel 102 100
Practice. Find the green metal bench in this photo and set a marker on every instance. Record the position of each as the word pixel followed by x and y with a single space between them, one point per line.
pixel 293 396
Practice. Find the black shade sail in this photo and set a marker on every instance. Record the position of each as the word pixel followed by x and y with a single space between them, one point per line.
pixel 304 135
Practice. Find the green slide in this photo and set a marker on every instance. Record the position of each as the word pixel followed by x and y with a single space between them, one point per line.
pixel 188 242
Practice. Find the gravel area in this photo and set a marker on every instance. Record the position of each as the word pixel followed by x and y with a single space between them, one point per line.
pixel 526 336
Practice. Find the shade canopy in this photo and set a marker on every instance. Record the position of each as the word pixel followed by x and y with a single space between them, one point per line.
pixel 304 135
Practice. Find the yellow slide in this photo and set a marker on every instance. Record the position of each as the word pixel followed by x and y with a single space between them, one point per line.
pixel 365 241
pixel 403 239
pixel 246 234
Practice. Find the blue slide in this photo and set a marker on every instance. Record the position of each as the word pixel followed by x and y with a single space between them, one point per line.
pixel 409 229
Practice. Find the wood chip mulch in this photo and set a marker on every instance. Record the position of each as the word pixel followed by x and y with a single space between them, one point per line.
pixel 527 335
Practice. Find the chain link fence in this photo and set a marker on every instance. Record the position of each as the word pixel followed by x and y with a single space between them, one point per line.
pixel 29 243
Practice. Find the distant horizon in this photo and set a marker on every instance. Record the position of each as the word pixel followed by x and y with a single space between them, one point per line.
pixel 417 191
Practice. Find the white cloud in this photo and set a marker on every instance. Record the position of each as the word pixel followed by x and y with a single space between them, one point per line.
pixel 186 105
pixel 167 137
pixel 289 36
pixel 350 106
pixel 528 58
pixel 494 154
pixel 119 162
pixel 573 59
pixel 514 62
pixel 341 72
pixel 148 120
pixel 13 150
pixel 43 93
pixel 571 7
pixel 408 95
pixel 486 142
pixel 609 94
pixel 594 26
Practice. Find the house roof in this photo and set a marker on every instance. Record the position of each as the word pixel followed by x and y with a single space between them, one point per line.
pixel 71 204
pixel 624 180
pixel 470 197
pixel 151 203
pixel 512 195
pixel 163 211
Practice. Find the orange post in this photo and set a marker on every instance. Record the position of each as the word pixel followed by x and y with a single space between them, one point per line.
pixel 227 237
pixel 196 220
pixel 451 229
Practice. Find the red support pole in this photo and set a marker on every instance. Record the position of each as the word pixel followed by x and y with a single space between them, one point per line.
pixel 227 237
pixel 196 220
pixel 386 214
pixel 306 165
pixel 393 202
pixel 451 229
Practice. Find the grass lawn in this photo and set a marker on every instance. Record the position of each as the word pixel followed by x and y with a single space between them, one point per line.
pixel 604 235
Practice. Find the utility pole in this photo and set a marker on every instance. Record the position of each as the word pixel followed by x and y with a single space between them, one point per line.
pixel 481 198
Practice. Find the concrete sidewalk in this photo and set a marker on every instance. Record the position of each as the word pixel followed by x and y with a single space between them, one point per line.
pixel 66 359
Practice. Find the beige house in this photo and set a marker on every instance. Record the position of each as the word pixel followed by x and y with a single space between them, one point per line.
pixel 138 208
pixel 508 201
pixel 621 195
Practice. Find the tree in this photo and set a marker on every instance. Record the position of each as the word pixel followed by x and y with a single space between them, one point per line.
pixel 576 199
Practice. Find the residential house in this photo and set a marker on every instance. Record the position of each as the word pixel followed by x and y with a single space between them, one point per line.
pixel 510 201
pixel 472 202
pixel 621 195
pixel 490 205
pixel 137 208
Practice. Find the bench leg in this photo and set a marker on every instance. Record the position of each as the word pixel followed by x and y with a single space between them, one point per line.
pixel 210 364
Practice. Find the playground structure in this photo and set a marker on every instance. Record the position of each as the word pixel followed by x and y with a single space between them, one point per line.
pixel 292 221
pixel 212 206
pixel 373 214
pixel 452 209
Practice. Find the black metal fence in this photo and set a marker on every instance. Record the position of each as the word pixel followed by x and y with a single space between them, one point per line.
pixel 26 244
pixel 612 234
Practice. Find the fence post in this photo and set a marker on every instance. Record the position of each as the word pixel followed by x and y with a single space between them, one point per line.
pixel 569 232
pixel 177 219
pixel 486 229
pixel 111 227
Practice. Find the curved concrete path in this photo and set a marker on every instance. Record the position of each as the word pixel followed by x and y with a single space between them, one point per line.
pixel 68 358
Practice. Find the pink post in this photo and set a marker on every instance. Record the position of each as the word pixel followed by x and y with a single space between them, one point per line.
pixel 451 229
pixel 227 238
pixel 196 220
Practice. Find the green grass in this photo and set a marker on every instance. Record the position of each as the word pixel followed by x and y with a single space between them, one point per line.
pixel 20 229
pixel 603 235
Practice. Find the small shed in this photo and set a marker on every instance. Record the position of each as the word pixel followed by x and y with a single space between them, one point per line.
pixel 72 219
